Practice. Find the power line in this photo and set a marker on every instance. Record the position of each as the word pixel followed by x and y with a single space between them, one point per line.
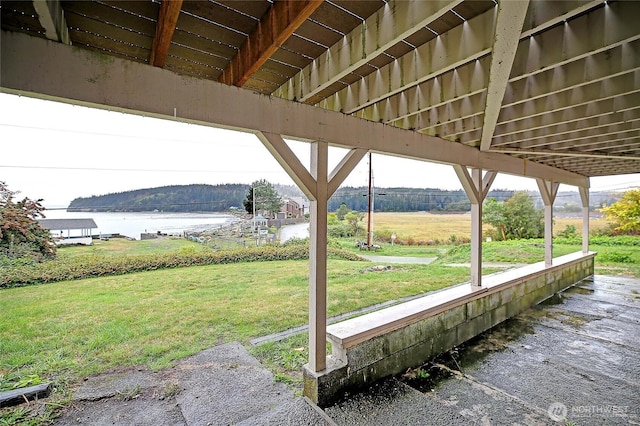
pixel 115 135
pixel 91 209
pixel 110 169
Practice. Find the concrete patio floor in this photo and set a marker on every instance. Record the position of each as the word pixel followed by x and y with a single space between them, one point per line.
pixel 573 360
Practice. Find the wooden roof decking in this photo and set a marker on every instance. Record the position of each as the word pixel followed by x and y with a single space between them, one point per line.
pixel 552 82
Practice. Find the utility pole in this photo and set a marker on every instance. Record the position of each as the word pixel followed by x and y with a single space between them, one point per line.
pixel 370 205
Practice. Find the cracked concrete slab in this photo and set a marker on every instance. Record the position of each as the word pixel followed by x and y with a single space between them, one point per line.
pixel 223 385
pixel 571 360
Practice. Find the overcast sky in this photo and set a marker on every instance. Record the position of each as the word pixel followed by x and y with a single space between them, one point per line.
pixel 58 152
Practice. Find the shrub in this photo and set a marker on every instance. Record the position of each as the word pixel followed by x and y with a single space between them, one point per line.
pixel 616 257
pixel 296 242
pixel 383 235
pixel 91 266
pixel 569 232
pixel 341 230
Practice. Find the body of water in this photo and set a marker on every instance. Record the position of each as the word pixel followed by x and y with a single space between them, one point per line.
pixel 298 230
pixel 133 224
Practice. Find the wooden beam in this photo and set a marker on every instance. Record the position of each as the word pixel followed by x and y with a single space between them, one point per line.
pixel 566 153
pixel 318 259
pixel 51 17
pixel 548 192
pixel 508 27
pixel 167 19
pixel 276 145
pixel 55 71
pixel 476 187
pixel 344 168
pixel 282 19
pixel 584 197
pixel 392 23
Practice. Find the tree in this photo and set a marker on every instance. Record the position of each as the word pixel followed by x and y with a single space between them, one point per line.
pixel 354 219
pixel 342 211
pixel 265 196
pixel 625 213
pixel 20 233
pixel 515 218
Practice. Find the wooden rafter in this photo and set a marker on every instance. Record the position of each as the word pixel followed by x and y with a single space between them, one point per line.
pixel 51 17
pixel 282 19
pixel 167 19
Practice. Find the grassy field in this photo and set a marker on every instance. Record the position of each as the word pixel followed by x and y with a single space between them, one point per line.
pixel 426 226
pixel 67 330
pixel 122 246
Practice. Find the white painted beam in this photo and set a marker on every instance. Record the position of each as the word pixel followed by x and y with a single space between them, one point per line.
pixel 595 57
pixel 591 110
pixel 548 191
pixel 471 188
pixel 318 259
pixel 612 63
pixel 462 108
pixel 511 16
pixel 566 153
pixel 289 162
pixel 577 136
pixel 460 45
pixel 56 71
pixel 576 39
pixel 605 75
pixel 476 187
pixel 544 14
pixel 467 80
pixel 318 186
pixel 591 103
pixel 51 17
pixel 395 21
pixel 590 126
pixel 344 168
pixel 598 142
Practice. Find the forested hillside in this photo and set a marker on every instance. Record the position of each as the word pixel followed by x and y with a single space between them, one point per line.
pixel 176 198
pixel 215 198
pixel 203 198
pixel 407 199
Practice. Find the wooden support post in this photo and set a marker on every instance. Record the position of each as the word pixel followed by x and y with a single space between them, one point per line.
pixel 318 186
pixel 477 189
pixel 476 233
pixel 548 191
pixel 318 260
pixel 584 196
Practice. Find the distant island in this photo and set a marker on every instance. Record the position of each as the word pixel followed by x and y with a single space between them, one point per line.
pixel 226 197
pixel 174 198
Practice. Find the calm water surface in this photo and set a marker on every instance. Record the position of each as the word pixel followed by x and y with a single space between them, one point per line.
pixel 133 224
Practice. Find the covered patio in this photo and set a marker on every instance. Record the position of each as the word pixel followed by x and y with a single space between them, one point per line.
pixel 542 89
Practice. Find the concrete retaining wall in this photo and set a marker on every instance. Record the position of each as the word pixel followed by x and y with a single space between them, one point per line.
pixel 398 345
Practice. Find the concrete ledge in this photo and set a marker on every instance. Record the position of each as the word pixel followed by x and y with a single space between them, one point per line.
pixel 389 341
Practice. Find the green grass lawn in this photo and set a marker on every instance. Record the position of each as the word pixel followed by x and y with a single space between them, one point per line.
pixel 610 258
pixel 67 330
pixel 387 249
pixel 122 246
